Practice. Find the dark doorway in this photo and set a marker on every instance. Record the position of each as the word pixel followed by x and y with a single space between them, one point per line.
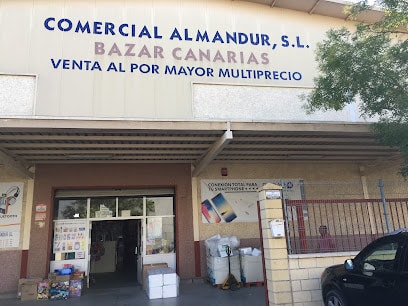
pixel 113 253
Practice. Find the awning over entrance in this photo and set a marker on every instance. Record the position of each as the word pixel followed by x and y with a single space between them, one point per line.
pixel 27 142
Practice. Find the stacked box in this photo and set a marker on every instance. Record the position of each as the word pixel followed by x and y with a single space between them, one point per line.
pixel 59 290
pixel 75 287
pixel 43 290
pixel 29 292
pixel 55 278
pixel 146 267
pixel 154 292
pixel 169 276
pixel 218 271
pixel 170 283
pixel 170 290
pixel 162 283
pixel 251 269
pixel 28 288
pixel 154 283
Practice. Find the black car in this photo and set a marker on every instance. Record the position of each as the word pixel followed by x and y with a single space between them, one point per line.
pixel 378 275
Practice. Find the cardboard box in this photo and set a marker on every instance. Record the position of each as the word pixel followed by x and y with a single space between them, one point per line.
pixel 78 275
pixel 216 263
pixel 170 291
pixel 218 271
pixel 154 277
pixel 54 277
pixel 147 267
pixel 23 281
pixel 251 269
pixel 29 291
pixel 218 277
pixel 75 287
pixel 62 278
pixel 154 292
pixel 43 290
pixel 169 277
pixel 245 251
pixel 59 290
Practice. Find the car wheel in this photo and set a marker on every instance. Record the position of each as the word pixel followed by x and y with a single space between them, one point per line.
pixel 335 298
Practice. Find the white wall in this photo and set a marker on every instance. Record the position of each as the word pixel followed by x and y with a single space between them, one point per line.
pixel 105 87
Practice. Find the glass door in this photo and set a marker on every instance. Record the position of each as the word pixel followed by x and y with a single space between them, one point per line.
pixel 159 239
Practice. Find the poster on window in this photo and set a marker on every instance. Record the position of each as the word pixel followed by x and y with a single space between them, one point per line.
pixel 11 203
pixel 70 236
pixel 154 228
pixel 235 200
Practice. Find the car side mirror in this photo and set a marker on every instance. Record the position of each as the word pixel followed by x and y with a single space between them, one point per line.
pixel 368 267
pixel 349 265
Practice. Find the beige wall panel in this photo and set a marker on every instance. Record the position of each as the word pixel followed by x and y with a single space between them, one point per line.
pixel 50 82
pixel 307 171
pixel 14 38
pixel 264 103
pixel 64 90
pixel 347 175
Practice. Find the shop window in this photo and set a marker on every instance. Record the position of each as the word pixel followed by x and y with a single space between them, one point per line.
pixel 159 206
pixel 130 206
pixel 70 209
pixel 103 207
pixel 160 235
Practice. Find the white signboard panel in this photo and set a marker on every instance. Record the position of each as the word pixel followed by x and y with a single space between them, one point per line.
pixel 11 203
pixel 235 200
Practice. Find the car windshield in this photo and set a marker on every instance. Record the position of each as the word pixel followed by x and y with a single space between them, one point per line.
pixel 382 258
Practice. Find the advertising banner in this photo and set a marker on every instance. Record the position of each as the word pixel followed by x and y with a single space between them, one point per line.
pixel 70 236
pixel 11 203
pixel 235 200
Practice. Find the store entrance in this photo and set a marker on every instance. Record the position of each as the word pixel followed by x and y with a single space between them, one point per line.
pixel 115 254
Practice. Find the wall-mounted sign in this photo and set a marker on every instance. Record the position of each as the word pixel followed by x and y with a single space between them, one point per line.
pixel 40 212
pixel 273 194
pixel 11 203
pixel 235 200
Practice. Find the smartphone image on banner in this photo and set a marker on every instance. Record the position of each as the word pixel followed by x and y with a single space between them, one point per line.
pixel 223 208
pixel 209 212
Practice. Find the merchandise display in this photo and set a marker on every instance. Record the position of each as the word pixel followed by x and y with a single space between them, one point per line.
pixel 59 285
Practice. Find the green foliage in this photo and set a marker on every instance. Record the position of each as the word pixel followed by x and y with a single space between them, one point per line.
pixel 368 66
pixel 77 207
pixel 394 134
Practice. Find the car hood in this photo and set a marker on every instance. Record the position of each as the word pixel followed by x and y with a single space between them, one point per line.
pixel 336 268
pixel 333 272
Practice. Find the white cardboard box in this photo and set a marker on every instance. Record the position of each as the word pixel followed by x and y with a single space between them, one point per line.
pixel 215 263
pixel 218 277
pixel 169 278
pixel 154 292
pixel 154 278
pixel 217 269
pixel 251 269
pixel 170 291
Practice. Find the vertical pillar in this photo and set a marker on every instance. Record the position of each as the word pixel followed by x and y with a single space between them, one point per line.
pixel 196 227
pixel 276 262
pixel 370 210
pixel 26 236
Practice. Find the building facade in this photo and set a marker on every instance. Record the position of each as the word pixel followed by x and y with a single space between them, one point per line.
pixel 157 122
